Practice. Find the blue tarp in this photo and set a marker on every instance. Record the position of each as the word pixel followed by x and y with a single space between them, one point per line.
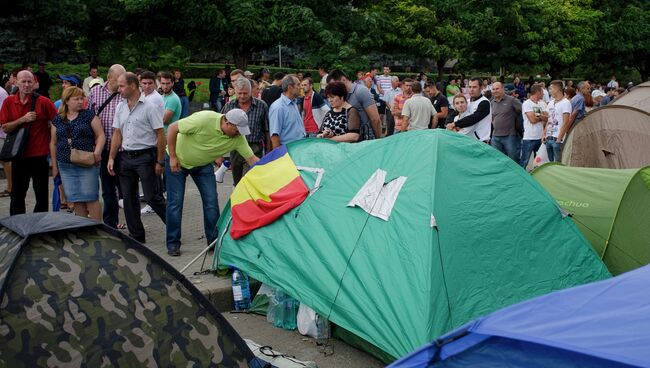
pixel 603 324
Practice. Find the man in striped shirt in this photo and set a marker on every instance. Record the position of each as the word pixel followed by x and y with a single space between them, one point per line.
pixel 98 97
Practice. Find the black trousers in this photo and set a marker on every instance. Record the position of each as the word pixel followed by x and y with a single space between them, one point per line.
pixel 238 164
pixel 110 187
pixel 36 169
pixel 135 168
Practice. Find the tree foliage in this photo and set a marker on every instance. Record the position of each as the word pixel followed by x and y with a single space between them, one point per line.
pixel 541 36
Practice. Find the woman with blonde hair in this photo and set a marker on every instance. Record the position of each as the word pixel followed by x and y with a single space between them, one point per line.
pixel 76 146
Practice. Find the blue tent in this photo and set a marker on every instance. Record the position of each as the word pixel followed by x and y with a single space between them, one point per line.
pixel 603 324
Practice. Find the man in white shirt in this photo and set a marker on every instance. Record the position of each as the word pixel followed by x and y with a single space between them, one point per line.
pixel 92 74
pixel 535 116
pixel 139 134
pixel 613 83
pixel 559 111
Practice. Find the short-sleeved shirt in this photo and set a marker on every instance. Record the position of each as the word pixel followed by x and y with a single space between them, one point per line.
pixel 452 90
pixel 138 125
pixel 79 130
pixel 38 143
pixel 172 103
pixel 200 140
pixel 398 104
pixel 556 111
pixel 532 131
pixel 271 94
pixel 439 101
pixel 342 122
pixel 360 98
pixel 578 104
pixel 419 110
pixel 385 82
pixel 505 113
pixel 157 100
pixel 98 96
pixel 258 118
pixel 285 120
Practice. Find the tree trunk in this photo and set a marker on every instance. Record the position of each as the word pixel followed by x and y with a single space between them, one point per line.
pixel 440 64
pixel 554 71
pixel 241 57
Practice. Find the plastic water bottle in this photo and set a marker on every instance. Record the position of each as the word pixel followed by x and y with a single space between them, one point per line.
pixel 322 329
pixel 241 291
pixel 290 306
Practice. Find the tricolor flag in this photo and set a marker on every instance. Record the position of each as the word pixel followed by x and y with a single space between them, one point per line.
pixel 271 188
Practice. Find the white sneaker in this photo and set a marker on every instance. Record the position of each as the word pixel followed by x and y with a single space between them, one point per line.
pixel 120 203
pixel 147 210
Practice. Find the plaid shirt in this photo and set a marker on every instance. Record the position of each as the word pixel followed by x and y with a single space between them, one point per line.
pixel 258 118
pixel 97 97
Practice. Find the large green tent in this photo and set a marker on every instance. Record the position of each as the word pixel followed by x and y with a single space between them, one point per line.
pixel 465 231
pixel 611 207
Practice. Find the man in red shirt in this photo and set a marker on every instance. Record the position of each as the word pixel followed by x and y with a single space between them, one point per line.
pixel 16 111
pixel 313 108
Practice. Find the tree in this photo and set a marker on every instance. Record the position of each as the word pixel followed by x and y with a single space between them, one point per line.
pixel 36 30
pixel 552 35
pixel 624 38
pixel 422 29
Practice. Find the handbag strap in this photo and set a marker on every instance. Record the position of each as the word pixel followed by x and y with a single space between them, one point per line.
pixel 108 100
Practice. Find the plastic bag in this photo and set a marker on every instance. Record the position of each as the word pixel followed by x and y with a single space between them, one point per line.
pixel 307 321
pixel 541 157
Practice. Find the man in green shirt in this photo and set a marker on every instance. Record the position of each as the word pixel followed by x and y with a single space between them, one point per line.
pixel 173 107
pixel 193 143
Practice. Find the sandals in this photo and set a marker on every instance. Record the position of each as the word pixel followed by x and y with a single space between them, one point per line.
pixel 5 193
pixel 121 226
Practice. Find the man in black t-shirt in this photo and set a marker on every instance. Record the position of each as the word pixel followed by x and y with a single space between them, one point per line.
pixel 272 93
pixel 440 103
pixel 44 80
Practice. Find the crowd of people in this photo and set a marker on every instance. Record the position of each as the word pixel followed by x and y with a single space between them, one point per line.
pixel 134 130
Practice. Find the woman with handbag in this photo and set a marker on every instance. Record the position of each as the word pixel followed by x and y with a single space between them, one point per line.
pixel 76 146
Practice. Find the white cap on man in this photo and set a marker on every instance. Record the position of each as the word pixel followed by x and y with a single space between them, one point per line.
pixel 238 118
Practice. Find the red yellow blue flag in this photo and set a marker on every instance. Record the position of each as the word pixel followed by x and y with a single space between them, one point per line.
pixel 271 188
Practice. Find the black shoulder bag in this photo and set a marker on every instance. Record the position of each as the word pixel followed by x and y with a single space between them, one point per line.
pixel 101 108
pixel 16 141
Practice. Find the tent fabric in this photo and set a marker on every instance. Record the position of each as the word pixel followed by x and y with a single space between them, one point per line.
pixel 610 207
pixel 638 97
pixel 499 238
pixel 91 296
pixel 611 137
pixel 605 321
pixel 42 222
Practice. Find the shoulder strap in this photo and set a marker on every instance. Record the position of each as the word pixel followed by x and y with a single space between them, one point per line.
pixel 108 100
pixel 35 97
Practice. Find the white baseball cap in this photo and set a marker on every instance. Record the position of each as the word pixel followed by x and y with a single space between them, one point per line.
pixel 238 118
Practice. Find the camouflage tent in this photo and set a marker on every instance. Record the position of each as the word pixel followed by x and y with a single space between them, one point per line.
pixel 77 293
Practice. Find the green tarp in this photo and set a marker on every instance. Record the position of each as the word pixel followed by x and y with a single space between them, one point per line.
pixel 470 232
pixel 611 207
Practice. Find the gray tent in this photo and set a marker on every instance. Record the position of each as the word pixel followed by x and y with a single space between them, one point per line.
pixel 610 137
pixel 77 293
pixel 638 97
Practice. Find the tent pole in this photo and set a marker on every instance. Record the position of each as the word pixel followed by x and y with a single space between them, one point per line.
pixel 199 255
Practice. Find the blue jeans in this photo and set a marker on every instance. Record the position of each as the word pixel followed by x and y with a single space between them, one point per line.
pixel 528 146
pixel 554 149
pixel 509 145
pixel 185 106
pixel 203 177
